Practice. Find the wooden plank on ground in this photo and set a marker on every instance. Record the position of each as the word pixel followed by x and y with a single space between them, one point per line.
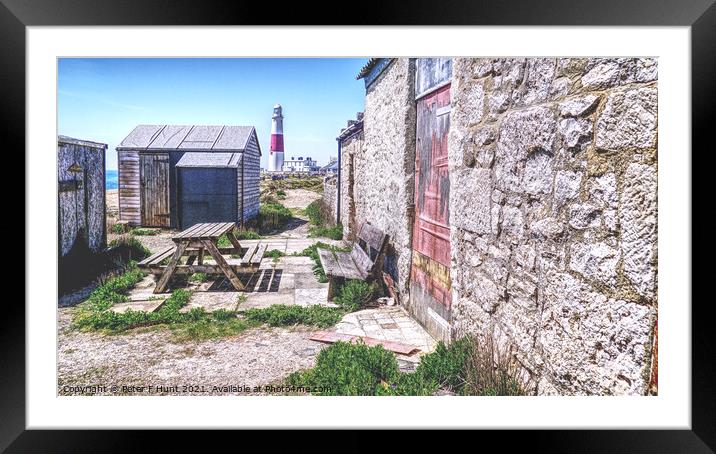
pixel 330 337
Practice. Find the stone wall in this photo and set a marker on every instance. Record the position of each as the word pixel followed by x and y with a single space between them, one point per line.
pixel 384 170
pixel 330 195
pixel 553 176
pixel 350 148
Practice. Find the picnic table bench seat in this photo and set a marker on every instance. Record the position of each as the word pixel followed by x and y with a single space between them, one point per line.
pixel 360 263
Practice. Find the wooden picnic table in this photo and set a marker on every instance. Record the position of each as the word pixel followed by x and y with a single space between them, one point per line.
pixel 193 243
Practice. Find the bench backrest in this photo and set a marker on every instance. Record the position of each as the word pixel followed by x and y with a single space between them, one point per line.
pixel 368 247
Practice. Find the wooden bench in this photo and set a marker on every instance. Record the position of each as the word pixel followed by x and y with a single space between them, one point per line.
pixel 361 262
pixel 193 243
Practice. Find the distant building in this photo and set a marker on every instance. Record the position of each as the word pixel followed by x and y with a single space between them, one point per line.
pixel 300 164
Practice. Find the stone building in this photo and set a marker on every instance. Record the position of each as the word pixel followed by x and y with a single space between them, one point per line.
pixel 520 196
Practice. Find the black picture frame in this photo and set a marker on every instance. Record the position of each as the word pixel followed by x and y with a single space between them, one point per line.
pixel 700 15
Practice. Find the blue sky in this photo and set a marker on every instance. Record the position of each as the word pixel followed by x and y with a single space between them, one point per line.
pixel 102 99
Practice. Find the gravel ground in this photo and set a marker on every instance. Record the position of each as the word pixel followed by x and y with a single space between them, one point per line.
pixel 134 361
pixel 299 198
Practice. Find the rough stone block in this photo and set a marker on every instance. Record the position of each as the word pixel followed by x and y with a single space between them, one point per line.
pixel 593 344
pixel 522 132
pixel 576 133
pixel 628 120
pixel 596 261
pixel 638 220
pixel 603 74
pixel 566 186
pixel 470 191
pixel 577 107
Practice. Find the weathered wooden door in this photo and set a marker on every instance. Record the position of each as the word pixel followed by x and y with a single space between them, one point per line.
pixel 430 273
pixel 154 191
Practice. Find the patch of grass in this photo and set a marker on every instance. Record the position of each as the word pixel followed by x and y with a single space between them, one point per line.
pixel 119 229
pixel 196 324
pixel 198 277
pixel 131 247
pixel 284 315
pixel 144 232
pixel 464 367
pixel 334 233
pixel 314 211
pixel 346 369
pixel 354 294
pixel 247 235
pixel 273 216
pixel 274 253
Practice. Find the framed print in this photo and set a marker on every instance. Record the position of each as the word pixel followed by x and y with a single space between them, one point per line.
pixel 481 221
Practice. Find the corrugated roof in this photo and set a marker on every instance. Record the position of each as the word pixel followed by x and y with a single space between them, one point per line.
pixel 199 159
pixel 187 137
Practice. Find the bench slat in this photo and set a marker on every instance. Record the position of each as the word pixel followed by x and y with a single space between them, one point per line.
pixel 348 267
pixel 372 236
pixel 246 259
pixel 329 263
pixel 361 260
pixel 259 254
pixel 158 257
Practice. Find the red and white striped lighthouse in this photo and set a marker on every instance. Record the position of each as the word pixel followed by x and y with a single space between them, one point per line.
pixel 275 163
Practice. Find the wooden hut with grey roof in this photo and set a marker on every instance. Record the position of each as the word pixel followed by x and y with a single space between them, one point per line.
pixel 177 175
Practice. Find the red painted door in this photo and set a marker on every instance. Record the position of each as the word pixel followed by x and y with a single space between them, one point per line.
pixel 430 273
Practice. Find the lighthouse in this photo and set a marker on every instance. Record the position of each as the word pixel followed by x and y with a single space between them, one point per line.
pixel 275 163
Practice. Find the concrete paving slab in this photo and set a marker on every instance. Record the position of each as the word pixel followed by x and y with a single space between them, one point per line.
pixel 308 280
pixel 312 296
pixel 266 299
pixel 212 301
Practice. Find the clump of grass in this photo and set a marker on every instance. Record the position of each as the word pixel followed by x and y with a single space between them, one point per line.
pixel 131 247
pixel 144 232
pixel 274 253
pixel 273 216
pixel 284 315
pixel 314 212
pixel 198 277
pixel 334 233
pixel 354 294
pixel 346 369
pixel 247 235
pixel 465 367
pixel 119 228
